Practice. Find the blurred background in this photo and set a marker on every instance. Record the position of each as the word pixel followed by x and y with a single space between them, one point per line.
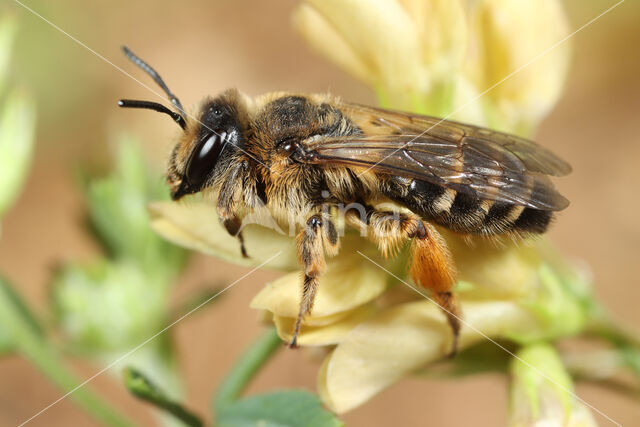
pixel 207 46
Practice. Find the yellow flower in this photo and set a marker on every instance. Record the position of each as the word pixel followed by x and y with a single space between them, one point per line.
pixel 194 225
pixel 440 56
pixel 403 49
pixel 517 49
pixel 382 328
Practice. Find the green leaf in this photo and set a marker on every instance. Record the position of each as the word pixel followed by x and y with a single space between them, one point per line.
pixel 141 387
pixel 287 408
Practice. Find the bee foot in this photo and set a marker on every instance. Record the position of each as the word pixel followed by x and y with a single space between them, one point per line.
pixel 293 344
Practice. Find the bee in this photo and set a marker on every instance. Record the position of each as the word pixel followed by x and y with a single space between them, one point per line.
pixel 297 154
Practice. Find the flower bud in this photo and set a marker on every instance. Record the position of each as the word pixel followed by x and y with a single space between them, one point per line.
pixel 542 392
pixel 17 125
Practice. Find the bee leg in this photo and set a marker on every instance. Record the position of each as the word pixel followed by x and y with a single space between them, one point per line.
pixel 432 266
pixel 226 206
pixel 233 224
pixel 243 249
pixel 318 236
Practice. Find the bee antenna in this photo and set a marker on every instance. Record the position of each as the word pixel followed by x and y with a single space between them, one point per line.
pixel 148 105
pixel 155 76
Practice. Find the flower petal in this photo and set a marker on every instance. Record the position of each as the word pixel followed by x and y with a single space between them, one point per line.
pixel 385 37
pixel 195 225
pixel 329 334
pixel 442 29
pixel 324 38
pixel 467 103
pixel 522 36
pixel 349 281
pixel 508 270
pixel 401 339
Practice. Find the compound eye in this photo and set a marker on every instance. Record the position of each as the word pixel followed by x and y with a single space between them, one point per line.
pixel 203 159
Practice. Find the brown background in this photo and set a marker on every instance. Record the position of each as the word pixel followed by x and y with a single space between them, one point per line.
pixel 206 46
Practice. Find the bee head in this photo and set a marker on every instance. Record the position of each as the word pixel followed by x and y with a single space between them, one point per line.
pixel 208 146
pixel 208 142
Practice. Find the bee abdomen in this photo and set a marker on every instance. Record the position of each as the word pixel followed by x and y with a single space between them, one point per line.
pixel 466 213
pixel 422 197
pixel 533 220
pixel 500 218
pixel 506 217
pixel 444 206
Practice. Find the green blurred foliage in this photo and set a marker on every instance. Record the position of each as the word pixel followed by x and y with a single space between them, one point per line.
pixel 119 304
pixel 8 29
pixel 107 306
pixel 556 307
pixel 118 301
pixel 540 383
pixel 17 124
pixel 118 213
pixel 16 319
pixel 21 333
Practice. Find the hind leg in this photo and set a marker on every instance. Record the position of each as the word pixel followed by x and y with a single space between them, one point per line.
pixel 432 266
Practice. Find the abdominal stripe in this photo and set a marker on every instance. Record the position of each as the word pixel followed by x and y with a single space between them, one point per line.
pixel 466 213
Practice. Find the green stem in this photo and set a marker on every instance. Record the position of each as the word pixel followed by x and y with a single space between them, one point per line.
pixel 246 367
pixel 602 326
pixel 627 344
pixel 49 363
pixel 26 339
pixel 140 386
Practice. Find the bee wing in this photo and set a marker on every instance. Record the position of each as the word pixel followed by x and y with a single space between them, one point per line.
pixel 472 160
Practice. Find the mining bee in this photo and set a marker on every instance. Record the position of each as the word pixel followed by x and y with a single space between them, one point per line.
pixel 297 154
